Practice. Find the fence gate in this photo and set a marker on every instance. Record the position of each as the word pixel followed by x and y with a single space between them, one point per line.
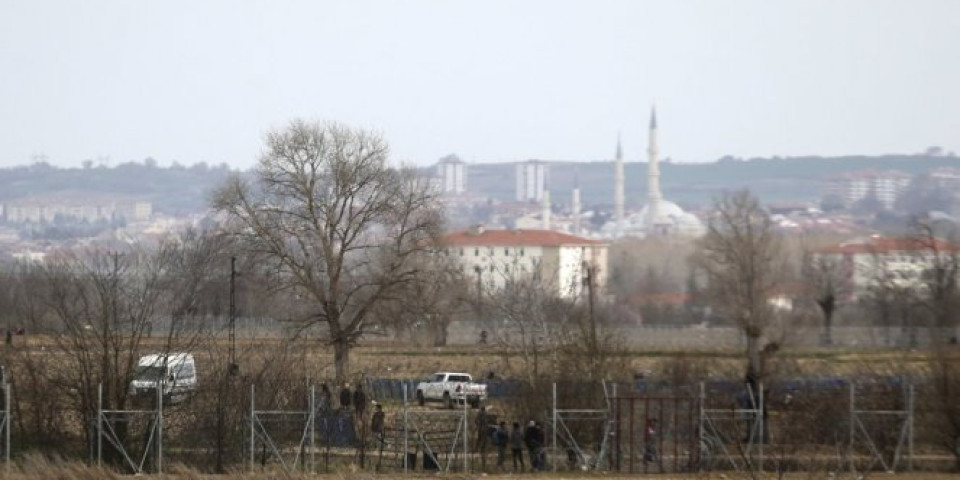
pixel 655 434
pixel 273 427
pixel 732 437
pixel 107 422
pixel 868 425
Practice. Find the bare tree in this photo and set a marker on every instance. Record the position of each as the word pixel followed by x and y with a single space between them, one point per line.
pixel 430 301
pixel 340 228
pixel 741 258
pixel 823 276
pixel 938 298
pixel 940 277
pixel 890 300
pixel 100 309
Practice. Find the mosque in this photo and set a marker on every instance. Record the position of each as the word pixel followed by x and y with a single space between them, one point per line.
pixel 659 217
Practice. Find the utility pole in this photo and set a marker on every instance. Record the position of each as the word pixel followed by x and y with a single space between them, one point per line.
pixel 233 367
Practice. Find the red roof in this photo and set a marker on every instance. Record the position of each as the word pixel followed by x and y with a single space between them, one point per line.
pixel 886 245
pixel 515 238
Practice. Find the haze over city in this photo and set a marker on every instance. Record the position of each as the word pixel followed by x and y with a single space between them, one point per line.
pixel 490 81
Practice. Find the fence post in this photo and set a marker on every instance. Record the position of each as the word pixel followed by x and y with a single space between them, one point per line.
pixel 253 460
pixel 555 426
pixel 100 424
pixel 159 429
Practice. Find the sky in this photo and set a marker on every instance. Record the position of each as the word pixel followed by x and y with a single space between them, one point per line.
pixel 490 80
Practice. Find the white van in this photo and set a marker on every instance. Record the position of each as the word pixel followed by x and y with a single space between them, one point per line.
pixel 176 372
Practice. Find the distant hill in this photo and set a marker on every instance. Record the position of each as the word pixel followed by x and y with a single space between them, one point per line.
pixel 171 190
pixel 696 184
pixel 182 190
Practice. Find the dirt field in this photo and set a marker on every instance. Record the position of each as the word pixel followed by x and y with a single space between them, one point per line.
pixel 80 472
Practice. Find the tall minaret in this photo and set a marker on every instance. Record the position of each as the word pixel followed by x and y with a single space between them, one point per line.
pixel 546 209
pixel 575 207
pixel 653 176
pixel 618 189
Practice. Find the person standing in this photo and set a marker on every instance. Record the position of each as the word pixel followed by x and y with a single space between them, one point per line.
pixel 326 398
pixel 541 441
pixel 516 446
pixel 532 440
pixel 376 426
pixel 359 401
pixel 650 438
pixel 376 422
pixel 501 438
pixel 483 431
pixel 345 397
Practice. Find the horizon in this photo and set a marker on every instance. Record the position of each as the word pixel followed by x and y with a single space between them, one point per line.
pixel 663 161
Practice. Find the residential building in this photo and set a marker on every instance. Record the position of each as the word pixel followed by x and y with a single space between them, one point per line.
pixel 884 185
pixel 452 173
pixel 531 180
pixel 860 265
pixel 560 260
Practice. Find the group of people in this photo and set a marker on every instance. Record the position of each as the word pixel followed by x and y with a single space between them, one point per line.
pixel 532 437
pixel 357 398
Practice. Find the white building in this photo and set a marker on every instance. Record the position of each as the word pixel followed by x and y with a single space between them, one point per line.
pixel 860 265
pixel 531 180
pixel 36 212
pixel 886 186
pixel 499 256
pixel 453 175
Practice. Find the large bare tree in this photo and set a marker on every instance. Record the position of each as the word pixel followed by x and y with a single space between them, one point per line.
pixel 741 257
pixel 825 281
pixel 340 228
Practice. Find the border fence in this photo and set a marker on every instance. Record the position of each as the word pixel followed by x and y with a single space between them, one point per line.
pixel 829 424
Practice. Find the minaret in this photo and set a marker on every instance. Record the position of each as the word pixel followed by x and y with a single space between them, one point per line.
pixel 546 209
pixel 653 176
pixel 575 207
pixel 618 189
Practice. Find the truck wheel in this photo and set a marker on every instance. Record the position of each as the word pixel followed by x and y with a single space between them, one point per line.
pixel 420 399
pixel 474 402
pixel 447 400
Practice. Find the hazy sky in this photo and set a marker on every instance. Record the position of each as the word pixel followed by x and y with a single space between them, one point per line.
pixel 192 81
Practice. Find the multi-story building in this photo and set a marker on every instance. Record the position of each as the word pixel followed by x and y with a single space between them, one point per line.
pixel 37 212
pixel 531 180
pixel 452 173
pixel 885 186
pixel 946 178
pixel 860 265
pixel 560 261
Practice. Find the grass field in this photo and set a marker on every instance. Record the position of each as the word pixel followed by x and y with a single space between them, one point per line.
pixel 35 469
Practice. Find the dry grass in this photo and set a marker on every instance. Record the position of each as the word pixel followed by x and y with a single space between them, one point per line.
pixel 37 468
pixel 394 359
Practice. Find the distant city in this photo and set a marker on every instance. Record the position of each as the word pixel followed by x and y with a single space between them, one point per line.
pixel 43 208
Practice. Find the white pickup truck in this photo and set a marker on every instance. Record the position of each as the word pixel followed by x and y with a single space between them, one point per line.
pixel 451 388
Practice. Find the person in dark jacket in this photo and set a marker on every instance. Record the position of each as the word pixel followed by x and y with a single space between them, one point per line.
pixel 516 446
pixel 325 402
pixel 359 401
pixel 501 438
pixel 345 397
pixel 482 423
pixel 533 438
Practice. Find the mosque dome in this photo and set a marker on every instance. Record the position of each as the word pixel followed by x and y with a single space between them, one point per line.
pixel 673 218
